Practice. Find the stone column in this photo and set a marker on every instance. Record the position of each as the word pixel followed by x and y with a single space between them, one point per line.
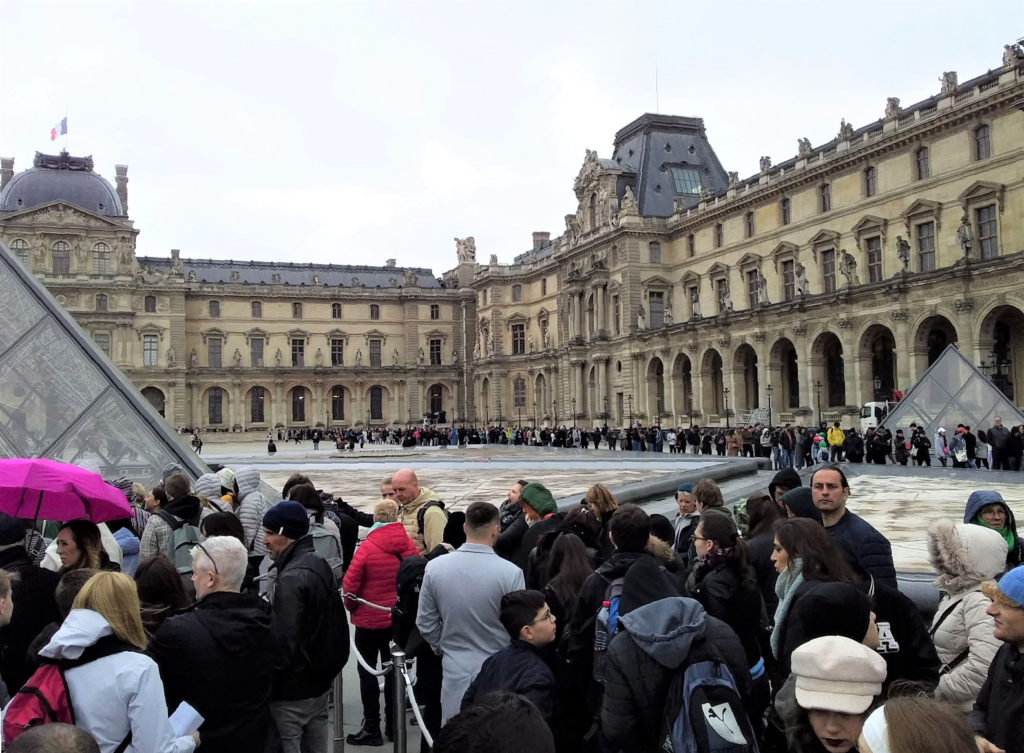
pixel 602 385
pixel 577 382
pixel 901 352
pixel 599 306
pixel 807 397
pixel 578 314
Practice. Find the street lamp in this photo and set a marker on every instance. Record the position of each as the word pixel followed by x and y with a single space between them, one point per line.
pixel 554 409
pixel 878 386
pixel 817 393
pixel 769 389
pixel 725 392
pixel 519 410
pixel 605 410
pixel 487 417
pixel 574 413
pixel 689 409
pixel 658 422
pixel 629 403
pixel 499 410
pixel 534 414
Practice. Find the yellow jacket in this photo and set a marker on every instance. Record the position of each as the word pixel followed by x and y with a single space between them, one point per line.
pixel 835 436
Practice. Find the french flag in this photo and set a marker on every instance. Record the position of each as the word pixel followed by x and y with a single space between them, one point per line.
pixel 59 130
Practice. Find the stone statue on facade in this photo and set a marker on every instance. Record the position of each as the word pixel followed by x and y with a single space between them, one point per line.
pixel 546 338
pixel 1012 55
pixel 318 357
pixel 355 282
pixel 421 357
pixel 193 359
pixel 410 279
pixel 598 261
pixel 695 303
pixel 800 279
pixel 949 82
pixel 848 268
pixel 725 299
pixel 845 130
pixel 237 358
pixel 765 164
pixel 803 148
pixel 171 355
pixel 903 252
pixel 762 290
pixel 667 317
pixel 176 266
pixel 641 318
pixel 490 344
pixel 734 177
pixel 192 276
pixel 965 237
pixel 628 203
pixel 359 357
pixel 572 229
pixel 707 193
pixel 476 350
pixel 892 107
pixel 494 260
pixel 529 343
pixel 465 249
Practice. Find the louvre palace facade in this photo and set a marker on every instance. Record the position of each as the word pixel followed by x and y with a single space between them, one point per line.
pixel 677 290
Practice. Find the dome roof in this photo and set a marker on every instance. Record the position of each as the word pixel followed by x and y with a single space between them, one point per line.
pixel 61 178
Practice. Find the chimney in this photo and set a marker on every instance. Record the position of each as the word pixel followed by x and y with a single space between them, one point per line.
pixel 122 186
pixel 540 240
pixel 6 171
pixel 391 263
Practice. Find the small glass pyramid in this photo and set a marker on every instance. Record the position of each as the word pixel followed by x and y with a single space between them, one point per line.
pixel 60 398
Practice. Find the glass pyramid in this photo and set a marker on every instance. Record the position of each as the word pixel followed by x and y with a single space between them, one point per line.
pixel 60 397
pixel 952 391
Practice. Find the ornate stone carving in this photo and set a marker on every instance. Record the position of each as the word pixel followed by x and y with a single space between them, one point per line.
pixel 845 130
pixel 63 161
pixel 641 318
pixel 1013 55
pixel 804 148
pixel 759 337
pixel 903 252
pixel 845 323
pixel 963 305
pixel 765 165
pixel 900 315
pixel 692 347
pixel 800 330
pixel 848 268
pixel 965 237
pixel 171 357
pixel 573 229
pixel 193 359
pixel 359 356
pixel 724 341
pixel 762 290
pixel 949 82
pixel 707 193
pixel 318 357
pixel 465 249
pixel 734 178
pixel 591 167
pixel 628 204
pixel 892 108
pixel 192 276
pixel 410 279
pixel 421 357
pixel 237 358
pixel 278 358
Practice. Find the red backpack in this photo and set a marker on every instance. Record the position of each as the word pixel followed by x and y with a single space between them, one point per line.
pixel 45 699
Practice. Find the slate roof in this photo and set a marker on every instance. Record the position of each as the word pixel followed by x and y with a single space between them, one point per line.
pixel 41 185
pixel 262 272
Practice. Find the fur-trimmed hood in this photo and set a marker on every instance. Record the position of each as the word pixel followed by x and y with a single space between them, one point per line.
pixel 965 556
pixel 661 550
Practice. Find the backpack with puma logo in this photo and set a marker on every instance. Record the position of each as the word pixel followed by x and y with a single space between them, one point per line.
pixel 703 710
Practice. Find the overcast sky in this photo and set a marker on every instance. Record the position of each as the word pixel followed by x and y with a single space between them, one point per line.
pixel 354 132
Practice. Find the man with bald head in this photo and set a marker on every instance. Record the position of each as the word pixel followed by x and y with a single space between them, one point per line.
pixel 422 511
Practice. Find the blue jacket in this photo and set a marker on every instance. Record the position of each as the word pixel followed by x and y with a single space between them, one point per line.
pixel 518 668
pixel 982 497
pixel 871 549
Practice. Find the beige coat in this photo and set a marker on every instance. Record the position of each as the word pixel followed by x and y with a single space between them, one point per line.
pixel 434 521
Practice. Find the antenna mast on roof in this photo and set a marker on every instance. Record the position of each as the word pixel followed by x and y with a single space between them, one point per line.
pixel 657 105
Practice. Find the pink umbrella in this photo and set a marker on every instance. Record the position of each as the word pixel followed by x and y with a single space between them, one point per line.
pixel 44 489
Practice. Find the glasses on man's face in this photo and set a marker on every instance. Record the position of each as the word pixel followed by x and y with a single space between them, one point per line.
pixel 209 557
pixel 546 616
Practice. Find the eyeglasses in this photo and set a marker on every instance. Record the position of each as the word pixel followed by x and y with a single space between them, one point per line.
pixel 546 616
pixel 695 537
pixel 209 557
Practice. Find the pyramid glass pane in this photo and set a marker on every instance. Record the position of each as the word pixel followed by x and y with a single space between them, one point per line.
pixel 60 398
pixel 952 391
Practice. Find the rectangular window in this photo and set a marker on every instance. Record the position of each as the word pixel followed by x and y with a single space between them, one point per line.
pixel 102 339
pixel 786 212
pixel 828 270
pixel 214 309
pixel 826 197
pixel 926 246
pixel 654 250
pixel 924 170
pixel 150 304
pixel 61 262
pixel 721 292
pixel 982 143
pixel 435 311
pixel 750 225
pixel 435 352
pixel 149 350
pixel 789 280
pixel 544 286
pixel 214 346
pixel 874 248
pixel 257 310
pixel 870 181
pixel 617 315
pixel 335 311
pixel 518 339
pixel 337 351
pixel 517 294
pixel 375 346
pixel 753 278
pixel 685 181
pixel 719 235
pixel 101 263
pixel 298 351
pixel 657 304
pixel 256 351
pixel 988 234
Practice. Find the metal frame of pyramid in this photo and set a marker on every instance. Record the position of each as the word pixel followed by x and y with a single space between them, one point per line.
pixel 952 391
pixel 61 398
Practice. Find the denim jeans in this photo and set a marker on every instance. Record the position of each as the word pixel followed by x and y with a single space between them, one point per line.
pixel 302 725
pixel 785 458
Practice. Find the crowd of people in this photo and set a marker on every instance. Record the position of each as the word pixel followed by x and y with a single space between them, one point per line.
pixel 773 625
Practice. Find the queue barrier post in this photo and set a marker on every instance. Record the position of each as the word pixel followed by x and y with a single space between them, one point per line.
pixel 398 700
pixel 339 721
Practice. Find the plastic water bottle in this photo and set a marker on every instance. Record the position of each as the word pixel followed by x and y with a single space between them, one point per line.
pixel 601 640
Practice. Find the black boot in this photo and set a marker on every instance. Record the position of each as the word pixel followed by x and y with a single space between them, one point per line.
pixel 368 736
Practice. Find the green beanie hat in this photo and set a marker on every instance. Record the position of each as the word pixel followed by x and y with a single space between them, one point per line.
pixel 537 496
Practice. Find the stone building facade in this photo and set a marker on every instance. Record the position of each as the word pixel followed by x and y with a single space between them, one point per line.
pixel 678 291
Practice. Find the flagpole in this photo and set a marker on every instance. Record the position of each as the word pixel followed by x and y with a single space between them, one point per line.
pixel 65 129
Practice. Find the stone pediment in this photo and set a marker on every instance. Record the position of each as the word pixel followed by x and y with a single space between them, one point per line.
pixel 691 277
pixel 213 332
pixel 376 334
pixel 337 334
pixel 824 238
pixel 297 334
pixel 981 190
pixel 436 334
pixel 150 329
pixel 256 332
pixel 61 214
pixel 718 269
pixel 750 260
pixel 657 281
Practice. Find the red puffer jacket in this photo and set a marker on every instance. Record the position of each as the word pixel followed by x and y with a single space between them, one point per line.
pixel 371 575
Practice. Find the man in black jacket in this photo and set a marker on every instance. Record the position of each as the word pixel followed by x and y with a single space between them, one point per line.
pixel 309 630
pixel 998 438
pixel 218 655
pixel 1000 704
pixel 33 596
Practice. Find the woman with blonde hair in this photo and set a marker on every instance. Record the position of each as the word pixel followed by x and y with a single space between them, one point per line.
pixel 114 688
pixel 602 503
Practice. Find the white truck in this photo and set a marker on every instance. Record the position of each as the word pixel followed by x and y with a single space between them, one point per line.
pixel 873 413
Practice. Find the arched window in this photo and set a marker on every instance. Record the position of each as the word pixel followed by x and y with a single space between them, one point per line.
pixel 376 403
pixel 982 142
pixel 924 169
pixel 150 304
pixel 338 404
pixel 374 311
pixel 296 311
pixel 335 311
pixel 257 310
pixel 257 404
pixel 298 404
pixel 101 259
pixel 216 405
pixel 101 302
pixel 519 393
pixel 436 399
pixel 20 248
pixel 61 258
pixel 214 309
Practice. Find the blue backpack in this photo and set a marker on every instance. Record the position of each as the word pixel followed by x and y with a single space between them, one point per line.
pixel 703 711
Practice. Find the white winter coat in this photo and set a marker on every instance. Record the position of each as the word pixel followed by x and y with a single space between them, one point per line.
pixel 114 693
pixel 965 556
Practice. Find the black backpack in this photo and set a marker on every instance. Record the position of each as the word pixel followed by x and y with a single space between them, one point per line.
pixel 408 582
pixel 421 514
